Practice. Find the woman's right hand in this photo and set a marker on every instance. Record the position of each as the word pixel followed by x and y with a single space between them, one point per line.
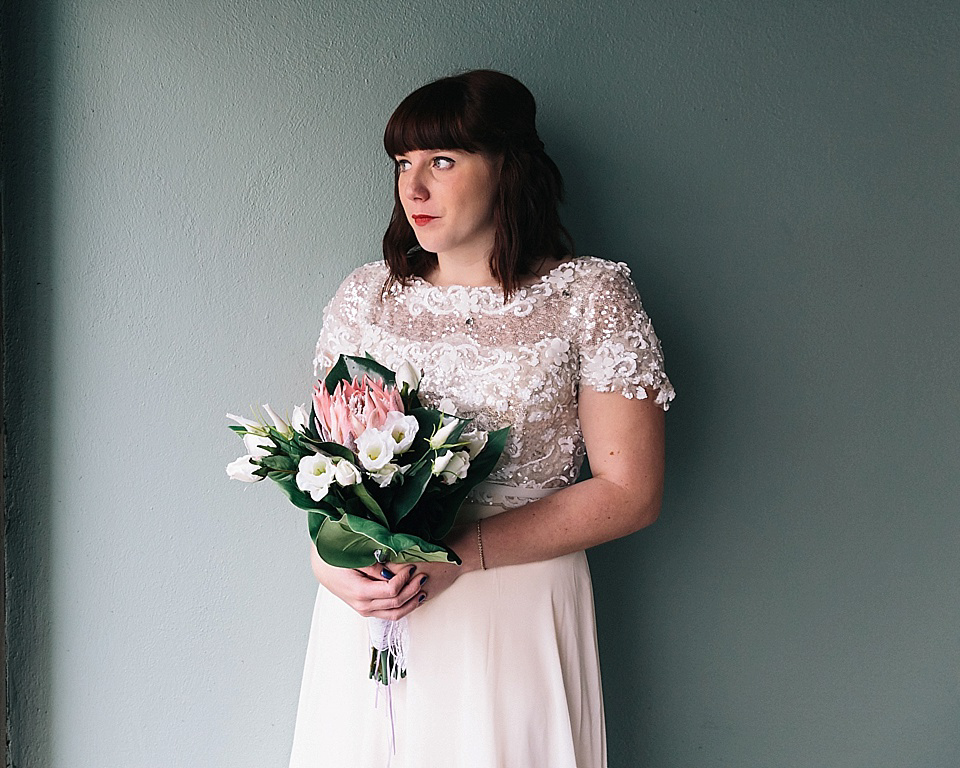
pixel 388 591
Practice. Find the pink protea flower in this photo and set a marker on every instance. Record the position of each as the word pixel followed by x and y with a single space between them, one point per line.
pixel 353 408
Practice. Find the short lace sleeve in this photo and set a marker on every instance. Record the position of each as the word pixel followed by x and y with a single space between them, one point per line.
pixel 619 351
pixel 346 315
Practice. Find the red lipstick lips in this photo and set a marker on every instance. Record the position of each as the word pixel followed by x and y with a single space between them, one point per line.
pixel 421 219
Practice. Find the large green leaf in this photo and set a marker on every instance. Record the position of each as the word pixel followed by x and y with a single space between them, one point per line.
pixel 408 494
pixel 348 368
pixel 350 542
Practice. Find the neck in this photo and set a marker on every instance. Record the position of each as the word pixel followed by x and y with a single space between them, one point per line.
pixel 462 270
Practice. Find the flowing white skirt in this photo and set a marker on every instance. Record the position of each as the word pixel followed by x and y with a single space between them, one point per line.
pixel 502 672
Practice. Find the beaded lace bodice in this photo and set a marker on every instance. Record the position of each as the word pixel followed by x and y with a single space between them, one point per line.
pixel 519 363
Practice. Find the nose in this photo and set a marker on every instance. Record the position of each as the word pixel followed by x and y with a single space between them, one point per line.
pixel 413 184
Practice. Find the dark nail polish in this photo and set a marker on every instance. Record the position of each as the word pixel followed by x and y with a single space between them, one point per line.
pixel 413 570
pixel 385 574
pixel 422 580
pixel 421 598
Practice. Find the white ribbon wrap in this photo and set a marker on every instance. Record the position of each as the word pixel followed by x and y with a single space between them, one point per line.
pixel 392 637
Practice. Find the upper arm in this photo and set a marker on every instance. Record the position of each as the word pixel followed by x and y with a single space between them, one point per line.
pixel 623 392
pixel 624 439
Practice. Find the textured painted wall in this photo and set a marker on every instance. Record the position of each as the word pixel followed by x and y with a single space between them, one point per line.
pixel 185 183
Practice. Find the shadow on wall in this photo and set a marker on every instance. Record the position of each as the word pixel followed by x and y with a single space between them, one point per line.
pixel 28 244
pixel 623 571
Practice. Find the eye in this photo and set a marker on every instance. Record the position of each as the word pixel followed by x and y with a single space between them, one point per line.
pixel 441 162
pixel 402 164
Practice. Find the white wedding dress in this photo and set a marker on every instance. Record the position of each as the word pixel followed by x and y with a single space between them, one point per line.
pixel 503 669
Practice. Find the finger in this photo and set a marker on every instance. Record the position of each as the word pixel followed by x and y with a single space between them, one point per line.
pixel 405 610
pixel 410 591
pixel 376 572
pixel 367 589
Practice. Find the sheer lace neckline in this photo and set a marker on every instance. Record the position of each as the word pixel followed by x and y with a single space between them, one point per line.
pixel 494 290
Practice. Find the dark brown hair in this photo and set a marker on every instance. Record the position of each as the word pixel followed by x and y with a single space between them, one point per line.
pixel 489 112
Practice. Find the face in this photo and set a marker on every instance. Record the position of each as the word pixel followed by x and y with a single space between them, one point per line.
pixel 448 197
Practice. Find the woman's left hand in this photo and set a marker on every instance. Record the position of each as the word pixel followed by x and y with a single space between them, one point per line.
pixel 461 540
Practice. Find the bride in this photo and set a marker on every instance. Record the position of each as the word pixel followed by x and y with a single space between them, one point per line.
pixel 479 289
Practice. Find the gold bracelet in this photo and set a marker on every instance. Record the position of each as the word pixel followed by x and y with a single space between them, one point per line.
pixel 483 565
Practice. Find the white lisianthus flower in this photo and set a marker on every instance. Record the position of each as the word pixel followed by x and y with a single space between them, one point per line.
pixel 452 466
pixel 257 446
pixel 440 437
pixel 345 473
pixel 448 407
pixel 242 469
pixel 407 377
pixel 476 441
pixel 384 476
pixel 401 429
pixel 315 475
pixel 280 424
pixel 300 418
pixel 374 449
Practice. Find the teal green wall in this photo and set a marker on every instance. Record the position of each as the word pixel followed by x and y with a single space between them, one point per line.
pixel 184 185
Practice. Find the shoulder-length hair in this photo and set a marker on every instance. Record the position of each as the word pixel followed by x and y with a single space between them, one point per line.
pixel 493 113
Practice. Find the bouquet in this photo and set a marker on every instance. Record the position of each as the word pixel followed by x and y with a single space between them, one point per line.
pixel 381 477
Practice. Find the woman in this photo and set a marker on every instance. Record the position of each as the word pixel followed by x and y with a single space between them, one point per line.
pixel 478 289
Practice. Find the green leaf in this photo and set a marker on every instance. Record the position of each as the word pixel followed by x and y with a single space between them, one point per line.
pixel 288 445
pixel 335 449
pixel 411 401
pixel 312 432
pixel 237 428
pixel 347 368
pixel 283 463
pixel 350 542
pixel 369 502
pixel 408 494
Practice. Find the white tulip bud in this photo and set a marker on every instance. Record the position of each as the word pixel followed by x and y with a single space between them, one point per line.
pixel 279 423
pixel 440 463
pixel 300 418
pixel 440 437
pixel 407 378
pixel 454 467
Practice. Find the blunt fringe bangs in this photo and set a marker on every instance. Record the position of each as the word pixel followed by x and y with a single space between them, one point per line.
pixel 489 112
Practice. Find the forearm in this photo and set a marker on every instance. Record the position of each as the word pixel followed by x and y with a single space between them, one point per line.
pixel 578 517
pixel 625 443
